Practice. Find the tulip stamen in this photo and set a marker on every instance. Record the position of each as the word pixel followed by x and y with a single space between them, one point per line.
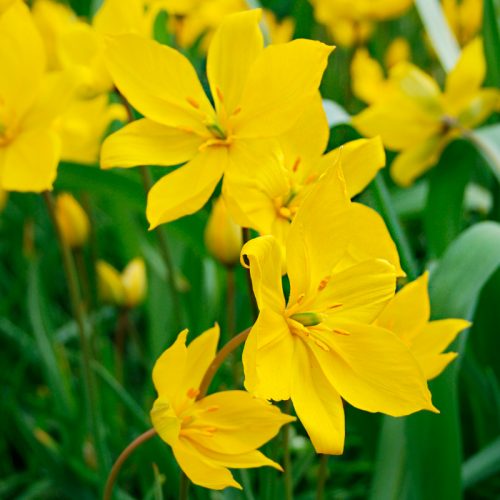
pixel 193 102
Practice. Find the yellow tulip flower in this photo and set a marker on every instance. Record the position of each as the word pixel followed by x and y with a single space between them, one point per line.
pixel 465 18
pixel 259 94
pixel 320 345
pixel 72 220
pixel 127 289
pixel 419 120
pixel 83 126
pixel 407 315
pixel 210 434
pixel 269 201
pixel 350 22
pixel 30 100
pixel 223 237
pixel 280 30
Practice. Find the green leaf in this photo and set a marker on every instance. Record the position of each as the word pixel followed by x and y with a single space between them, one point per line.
pixel 440 34
pixel 434 442
pixel 491 38
pixel 487 141
pixel 445 199
pixel 483 465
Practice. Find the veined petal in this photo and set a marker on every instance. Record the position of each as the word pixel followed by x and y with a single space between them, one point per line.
pixel 263 256
pixel 281 84
pixel 357 293
pixel 360 159
pixel 313 247
pixel 158 81
pixel 413 162
pixel 144 142
pixel 372 369
pixel 234 48
pixel 30 163
pixel 243 423
pixel 22 58
pixel 170 367
pixel 466 78
pixel 187 189
pixel 306 141
pixel 254 178
pixel 434 338
pixel 318 404
pixel 272 351
pixel 408 311
pixel 200 469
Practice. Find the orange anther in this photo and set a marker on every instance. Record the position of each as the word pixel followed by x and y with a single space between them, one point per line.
pixel 193 102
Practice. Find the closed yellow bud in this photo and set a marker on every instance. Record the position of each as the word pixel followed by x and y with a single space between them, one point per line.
pixel 222 236
pixel 72 220
pixel 398 51
pixel 134 282
pixel 109 284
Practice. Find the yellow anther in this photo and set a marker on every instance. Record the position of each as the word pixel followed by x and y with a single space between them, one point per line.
pixel 211 409
pixel 341 332
pixel 219 94
pixel 193 102
pixel 236 111
pixel 193 393
pixel 323 283
pixel 296 164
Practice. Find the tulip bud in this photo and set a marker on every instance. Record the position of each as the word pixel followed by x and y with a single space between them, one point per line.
pixel 134 282
pixel 72 220
pixel 222 236
pixel 109 284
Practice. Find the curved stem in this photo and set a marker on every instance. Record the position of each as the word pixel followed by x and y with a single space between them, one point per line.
pixel 322 476
pixel 115 470
pixel 235 342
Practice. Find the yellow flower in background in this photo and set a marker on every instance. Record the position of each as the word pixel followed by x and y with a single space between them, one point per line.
pixel 214 433
pixel 320 345
pixel 259 93
pixel 369 83
pixel 280 30
pixel 350 22
pixel 223 237
pixel 269 200
pixel 83 126
pixel 465 18
pixel 419 120
pixel 407 315
pixel 127 289
pixel 30 101
pixel 72 219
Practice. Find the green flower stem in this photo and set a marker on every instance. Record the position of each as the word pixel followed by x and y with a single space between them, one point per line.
pixel 287 459
pixel 115 470
pixel 322 477
pixel 79 313
pixel 245 232
pixel 384 203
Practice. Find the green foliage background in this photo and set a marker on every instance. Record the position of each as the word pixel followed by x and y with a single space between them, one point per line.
pixel 449 221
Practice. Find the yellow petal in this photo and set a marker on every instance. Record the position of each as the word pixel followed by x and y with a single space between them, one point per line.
pixel 134 282
pixel 145 142
pixel 318 404
pixel 263 256
pixel 187 189
pixel 233 49
pixel 313 247
pixel 360 159
pixel 200 469
pixel 306 141
pixel 466 78
pixel 170 368
pixel 158 81
pixel 272 348
pixel 479 107
pixel 165 420
pixel 116 17
pixel 409 310
pixel 22 58
pixel 242 422
pixel 415 161
pixel 373 370
pixel 72 220
pixel 281 84
pixel 429 342
pixel 358 293
pixel 367 77
pixel 30 163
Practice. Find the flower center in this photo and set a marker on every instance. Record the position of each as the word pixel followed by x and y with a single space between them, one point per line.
pixel 308 318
